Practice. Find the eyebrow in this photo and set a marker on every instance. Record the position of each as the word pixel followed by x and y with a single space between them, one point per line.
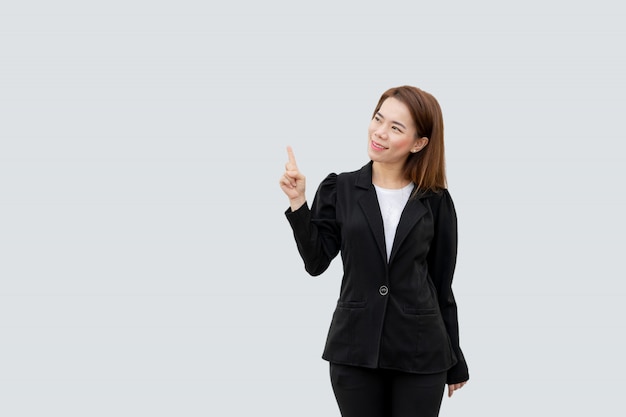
pixel 393 122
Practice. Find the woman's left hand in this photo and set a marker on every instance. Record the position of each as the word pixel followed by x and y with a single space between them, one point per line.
pixel 454 387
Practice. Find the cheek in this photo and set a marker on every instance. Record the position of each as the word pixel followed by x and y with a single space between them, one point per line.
pixel 404 142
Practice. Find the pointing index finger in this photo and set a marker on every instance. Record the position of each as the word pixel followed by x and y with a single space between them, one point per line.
pixel 292 157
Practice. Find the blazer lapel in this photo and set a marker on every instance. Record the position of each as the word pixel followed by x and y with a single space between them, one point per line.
pixel 369 205
pixel 412 212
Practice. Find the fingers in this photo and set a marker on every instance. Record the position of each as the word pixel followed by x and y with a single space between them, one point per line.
pixel 454 387
pixel 292 174
pixel 287 182
pixel 292 181
pixel 291 178
pixel 291 164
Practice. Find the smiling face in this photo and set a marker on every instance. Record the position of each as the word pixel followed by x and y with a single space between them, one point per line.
pixel 392 134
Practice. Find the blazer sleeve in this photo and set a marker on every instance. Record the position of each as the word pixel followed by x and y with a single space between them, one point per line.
pixel 316 230
pixel 441 265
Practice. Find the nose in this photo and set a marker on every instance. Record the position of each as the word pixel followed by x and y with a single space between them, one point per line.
pixel 380 132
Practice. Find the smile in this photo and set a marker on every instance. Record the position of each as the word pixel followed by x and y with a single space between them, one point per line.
pixel 377 146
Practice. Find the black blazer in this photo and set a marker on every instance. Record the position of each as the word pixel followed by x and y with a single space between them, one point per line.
pixel 399 314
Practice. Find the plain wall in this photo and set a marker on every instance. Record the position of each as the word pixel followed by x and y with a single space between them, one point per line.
pixel 147 269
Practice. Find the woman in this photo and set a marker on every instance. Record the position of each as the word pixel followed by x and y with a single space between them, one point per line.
pixel 393 342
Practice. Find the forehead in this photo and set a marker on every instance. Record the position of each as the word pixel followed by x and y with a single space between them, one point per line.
pixel 394 109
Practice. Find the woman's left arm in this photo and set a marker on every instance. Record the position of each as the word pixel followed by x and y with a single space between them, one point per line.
pixel 441 265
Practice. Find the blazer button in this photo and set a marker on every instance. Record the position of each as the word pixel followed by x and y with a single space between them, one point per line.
pixel 383 290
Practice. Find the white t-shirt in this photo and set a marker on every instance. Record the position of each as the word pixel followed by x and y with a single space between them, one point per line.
pixel 392 202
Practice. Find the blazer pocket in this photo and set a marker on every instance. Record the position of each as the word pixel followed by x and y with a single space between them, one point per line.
pixel 420 311
pixel 350 304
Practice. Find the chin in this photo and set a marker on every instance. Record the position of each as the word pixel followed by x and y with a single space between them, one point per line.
pixel 373 155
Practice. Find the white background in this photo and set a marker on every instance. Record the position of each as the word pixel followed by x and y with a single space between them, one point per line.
pixel 147 269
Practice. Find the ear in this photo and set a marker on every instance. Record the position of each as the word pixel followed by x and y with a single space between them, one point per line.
pixel 419 144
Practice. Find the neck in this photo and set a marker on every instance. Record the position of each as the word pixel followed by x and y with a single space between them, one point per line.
pixel 386 176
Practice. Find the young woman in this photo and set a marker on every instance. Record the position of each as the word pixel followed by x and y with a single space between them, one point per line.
pixel 393 342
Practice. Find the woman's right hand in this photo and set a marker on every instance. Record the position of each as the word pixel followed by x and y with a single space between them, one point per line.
pixel 293 183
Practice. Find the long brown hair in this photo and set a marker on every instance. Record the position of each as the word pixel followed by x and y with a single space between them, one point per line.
pixel 425 168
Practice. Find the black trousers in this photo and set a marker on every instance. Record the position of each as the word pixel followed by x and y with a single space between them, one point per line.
pixel 364 392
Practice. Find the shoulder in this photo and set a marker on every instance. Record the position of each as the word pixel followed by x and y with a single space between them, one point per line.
pixel 347 177
pixel 439 201
pixel 361 177
pixel 436 195
pixel 328 184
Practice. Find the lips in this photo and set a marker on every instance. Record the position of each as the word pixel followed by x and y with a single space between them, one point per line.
pixel 377 146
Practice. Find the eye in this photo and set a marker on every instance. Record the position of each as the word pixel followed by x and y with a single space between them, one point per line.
pixel 396 128
pixel 377 118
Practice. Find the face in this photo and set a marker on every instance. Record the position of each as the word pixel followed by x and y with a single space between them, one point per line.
pixel 392 134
